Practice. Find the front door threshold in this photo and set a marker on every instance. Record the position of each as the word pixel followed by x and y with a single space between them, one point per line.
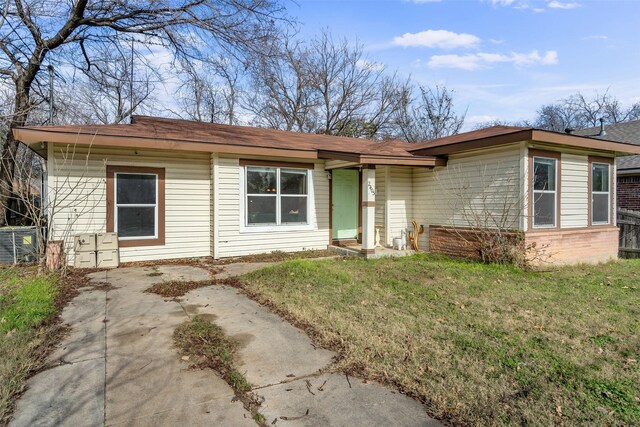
pixel 345 251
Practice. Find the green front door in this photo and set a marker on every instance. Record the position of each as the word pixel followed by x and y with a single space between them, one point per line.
pixel 344 212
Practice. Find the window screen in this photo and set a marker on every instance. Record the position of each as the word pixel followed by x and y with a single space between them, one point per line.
pixel 600 193
pixel 544 192
pixel 136 205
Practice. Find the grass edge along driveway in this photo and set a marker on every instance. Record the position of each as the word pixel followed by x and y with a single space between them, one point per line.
pixel 479 344
pixel 27 333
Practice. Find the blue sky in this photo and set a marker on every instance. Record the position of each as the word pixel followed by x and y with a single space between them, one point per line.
pixel 503 58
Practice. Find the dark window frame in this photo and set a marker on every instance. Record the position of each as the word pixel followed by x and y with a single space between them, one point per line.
pixel 547 155
pixel 111 196
pixel 612 191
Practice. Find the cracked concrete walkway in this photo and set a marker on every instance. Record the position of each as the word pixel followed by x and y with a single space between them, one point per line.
pixel 118 365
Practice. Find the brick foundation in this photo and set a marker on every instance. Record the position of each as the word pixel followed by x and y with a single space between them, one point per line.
pixel 585 245
pixel 628 192
pixel 568 246
pixel 456 241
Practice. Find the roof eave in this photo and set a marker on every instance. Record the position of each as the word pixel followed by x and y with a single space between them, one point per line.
pixel 37 136
pixel 382 160
pixel 537 135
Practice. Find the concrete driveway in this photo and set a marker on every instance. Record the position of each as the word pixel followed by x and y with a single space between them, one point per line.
pixel 118 365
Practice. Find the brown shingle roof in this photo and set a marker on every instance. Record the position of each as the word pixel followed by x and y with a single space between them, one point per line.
pixel 467 136
pixel 500 135
pixel 213 133
pixel 174 134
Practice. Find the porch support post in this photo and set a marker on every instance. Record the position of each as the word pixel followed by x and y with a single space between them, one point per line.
pixel 368 209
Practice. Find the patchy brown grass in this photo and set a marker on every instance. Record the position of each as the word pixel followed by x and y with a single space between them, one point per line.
pixel 478 344
pixel 176 288
pixel 207 347
pixel 210 263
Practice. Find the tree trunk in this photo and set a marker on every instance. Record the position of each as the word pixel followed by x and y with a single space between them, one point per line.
pixel 9 153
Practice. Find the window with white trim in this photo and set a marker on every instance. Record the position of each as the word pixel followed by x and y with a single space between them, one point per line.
pixel 600 193
pixel 545 195
pixel 276 196
pixel 136 205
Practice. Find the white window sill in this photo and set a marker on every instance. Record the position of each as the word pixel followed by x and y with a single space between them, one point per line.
pixel 275 228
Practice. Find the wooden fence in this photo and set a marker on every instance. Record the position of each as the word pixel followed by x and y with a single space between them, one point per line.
pixel 629 223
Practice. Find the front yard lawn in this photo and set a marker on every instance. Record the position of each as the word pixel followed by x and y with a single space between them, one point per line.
pixel 479 344
pixel 27 304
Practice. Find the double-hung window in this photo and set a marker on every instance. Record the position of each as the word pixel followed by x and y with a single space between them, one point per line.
pixel 276 196
pixel 600 193
pixel 545 192
pixel 135 203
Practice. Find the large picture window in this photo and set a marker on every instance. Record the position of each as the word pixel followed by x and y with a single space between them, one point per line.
pixel 600 193
pixel 135 200
pixel 276 196
pixel 545 194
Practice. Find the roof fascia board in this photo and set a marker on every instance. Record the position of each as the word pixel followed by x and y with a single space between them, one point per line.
pixel 584 142
pixel 475 144
pixel 31 136
pixel 536 135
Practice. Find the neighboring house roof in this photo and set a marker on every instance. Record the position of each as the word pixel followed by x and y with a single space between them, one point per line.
pixel 627 132
pixel 174 134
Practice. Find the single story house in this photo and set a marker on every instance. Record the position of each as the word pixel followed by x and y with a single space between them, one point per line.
pixel 174 188
pixel 628 167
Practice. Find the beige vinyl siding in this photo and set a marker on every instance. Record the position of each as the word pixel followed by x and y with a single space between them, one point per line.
pixel 79 174
pixel 447 195
pixel 233 242
pixel 399 199
pixel 574 194
pixel 381 174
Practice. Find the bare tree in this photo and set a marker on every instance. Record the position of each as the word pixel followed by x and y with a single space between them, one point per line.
pixel 35 30
pixel 282 93
pixel 324 87
pixel 113 88
pixel 431 115
pixel 579 112
pixel 211 89
pixel 56 206
pixel 485 209
pixel 497 122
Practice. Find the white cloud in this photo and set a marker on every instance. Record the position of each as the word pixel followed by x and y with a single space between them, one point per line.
pixel 555 4
pixel 464 62
pixel 436 39
pixel 474 61
pixel 501 2
pixel 368 65
pixel 596 37
pixel 538 9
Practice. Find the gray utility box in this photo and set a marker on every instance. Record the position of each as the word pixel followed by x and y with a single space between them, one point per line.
pixel 108 259
pixel 97 250
pixel 85 260
pixel 85 243
pixel 107 241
